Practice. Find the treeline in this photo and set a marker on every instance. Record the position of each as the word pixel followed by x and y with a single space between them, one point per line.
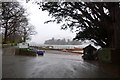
pixel 54 41
pixel 14 23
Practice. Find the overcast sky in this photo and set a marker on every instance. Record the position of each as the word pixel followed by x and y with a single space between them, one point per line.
pixel 44 31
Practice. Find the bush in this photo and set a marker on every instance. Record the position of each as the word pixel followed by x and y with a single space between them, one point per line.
pixel 25 52
pixel 105 55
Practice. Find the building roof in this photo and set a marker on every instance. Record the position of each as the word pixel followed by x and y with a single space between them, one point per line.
pixel 89 46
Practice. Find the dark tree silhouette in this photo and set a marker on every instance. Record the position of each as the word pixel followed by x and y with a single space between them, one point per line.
pixel 98 22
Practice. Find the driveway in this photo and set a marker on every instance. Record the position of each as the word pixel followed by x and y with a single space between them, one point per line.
pixel 54 64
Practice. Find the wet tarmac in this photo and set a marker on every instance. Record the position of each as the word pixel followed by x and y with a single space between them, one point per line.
pixel 53 64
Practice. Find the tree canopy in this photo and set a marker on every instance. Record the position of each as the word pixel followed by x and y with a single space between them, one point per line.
pixel 15 23
pixel 95 21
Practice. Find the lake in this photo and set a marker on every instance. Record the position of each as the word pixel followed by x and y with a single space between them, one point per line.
pixel 63 46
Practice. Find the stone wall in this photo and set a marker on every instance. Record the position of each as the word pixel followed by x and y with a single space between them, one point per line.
pixel 8 51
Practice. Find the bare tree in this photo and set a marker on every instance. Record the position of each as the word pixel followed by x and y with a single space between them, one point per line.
pixel 15 22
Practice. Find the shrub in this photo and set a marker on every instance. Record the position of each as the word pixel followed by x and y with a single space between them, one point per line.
pixel 25 52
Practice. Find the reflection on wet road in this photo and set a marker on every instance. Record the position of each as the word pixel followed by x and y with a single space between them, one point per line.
pixel 57 65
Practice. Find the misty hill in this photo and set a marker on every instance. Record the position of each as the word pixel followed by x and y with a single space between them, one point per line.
pixel 54 41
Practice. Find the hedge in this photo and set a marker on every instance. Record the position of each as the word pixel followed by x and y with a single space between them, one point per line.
pixel 25 52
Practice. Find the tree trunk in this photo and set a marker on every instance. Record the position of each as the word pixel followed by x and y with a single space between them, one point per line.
pixel 115 37
pixel 116 27
pixel 5 34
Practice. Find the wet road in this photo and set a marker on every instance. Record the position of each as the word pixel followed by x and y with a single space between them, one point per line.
pixel 53 64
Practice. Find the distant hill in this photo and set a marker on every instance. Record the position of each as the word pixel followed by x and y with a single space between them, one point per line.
pixel 54 41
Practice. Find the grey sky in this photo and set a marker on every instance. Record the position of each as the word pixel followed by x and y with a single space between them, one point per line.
pixel 44 31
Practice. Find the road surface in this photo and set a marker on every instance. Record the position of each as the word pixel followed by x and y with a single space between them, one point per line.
pixel 54 64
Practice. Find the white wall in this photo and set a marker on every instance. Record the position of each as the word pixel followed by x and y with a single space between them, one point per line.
pixel 21 45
